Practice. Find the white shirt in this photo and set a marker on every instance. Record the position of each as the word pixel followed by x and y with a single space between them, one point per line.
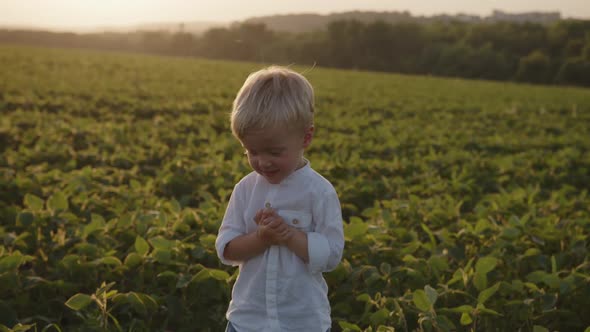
pixel 277 291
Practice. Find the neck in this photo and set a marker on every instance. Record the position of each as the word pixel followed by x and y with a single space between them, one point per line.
pixel 302 163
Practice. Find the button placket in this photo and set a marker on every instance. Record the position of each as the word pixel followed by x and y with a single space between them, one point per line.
pixel 272 272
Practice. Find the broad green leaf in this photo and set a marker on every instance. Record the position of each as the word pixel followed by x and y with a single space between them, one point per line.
pixel 104 287
pixel 410 248
pixel 206 273
pixel 444 323
pixel 184 280
pixel 466 319
pixel 110 260
pixel 379 317
pixel 462 309
pixel 120 298
pixel 511 233
pixel 137 303
pixel 79 301
pixel 133 259
pixel 98 218
pixel 485 264
pixel 364 297
pixel 431 293
pixel 532 252
pixel 480 280
pixel 548 301
pixel 97 223
pixel 438 264
pixel 421 301
pixel 33 202
pixel 348 326
pixel 124 221
pixel 207 240
pixel 487 293
pixel 482 309
pixel 25 219
pixel 148 301
pixel 218 274
pixel 355 229
pixel 13 261
pixel 551 280
pixel 430 234
pixel 57 202
pixel 202 275
pixel 134 184
pixel 482 225
pixel 161 243
pixel 536 276
pixel 141 246
pixel 174 206
pixel 162 256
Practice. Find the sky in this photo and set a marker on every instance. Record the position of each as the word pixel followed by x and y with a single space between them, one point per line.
pixel 101 13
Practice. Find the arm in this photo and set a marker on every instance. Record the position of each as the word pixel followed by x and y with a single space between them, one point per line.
pixel 233 229
pixel 298 244
pixel 326 243
pixel 271 230
pixel 322 249
pixel 279 232
pixel 245 247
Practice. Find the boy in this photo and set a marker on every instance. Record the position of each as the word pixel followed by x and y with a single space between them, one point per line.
pixel 283 223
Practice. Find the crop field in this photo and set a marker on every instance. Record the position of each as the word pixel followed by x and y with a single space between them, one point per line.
pixel 466 203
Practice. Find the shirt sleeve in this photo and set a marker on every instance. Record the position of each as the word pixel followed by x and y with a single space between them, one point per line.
pixel 326 243
pixel 232 225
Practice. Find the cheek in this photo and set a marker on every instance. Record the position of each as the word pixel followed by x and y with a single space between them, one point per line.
pixel 252 162
pixel 288 161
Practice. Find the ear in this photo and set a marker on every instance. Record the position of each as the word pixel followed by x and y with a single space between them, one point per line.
pixel 308 137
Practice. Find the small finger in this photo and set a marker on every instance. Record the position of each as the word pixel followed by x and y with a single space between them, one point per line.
pixel 257 216
pixel 285 232
pixel 266 213
pixel 266 219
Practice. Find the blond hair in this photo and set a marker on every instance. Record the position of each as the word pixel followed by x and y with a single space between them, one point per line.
pixel 271 98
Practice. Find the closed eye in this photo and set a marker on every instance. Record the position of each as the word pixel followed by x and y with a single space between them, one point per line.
pixel 250 153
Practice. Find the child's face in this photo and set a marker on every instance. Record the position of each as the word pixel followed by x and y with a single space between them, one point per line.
pixel 276 153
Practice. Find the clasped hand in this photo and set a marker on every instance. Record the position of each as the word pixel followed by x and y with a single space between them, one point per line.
pixel 272 229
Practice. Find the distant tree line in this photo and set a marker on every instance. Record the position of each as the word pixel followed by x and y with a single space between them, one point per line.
pixel 558 53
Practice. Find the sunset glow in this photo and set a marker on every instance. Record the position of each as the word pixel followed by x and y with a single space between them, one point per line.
pixel 88 13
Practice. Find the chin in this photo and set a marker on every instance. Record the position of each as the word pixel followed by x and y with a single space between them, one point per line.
pixel 274 180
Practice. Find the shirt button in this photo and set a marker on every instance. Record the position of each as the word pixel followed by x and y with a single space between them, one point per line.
pixel 295 221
